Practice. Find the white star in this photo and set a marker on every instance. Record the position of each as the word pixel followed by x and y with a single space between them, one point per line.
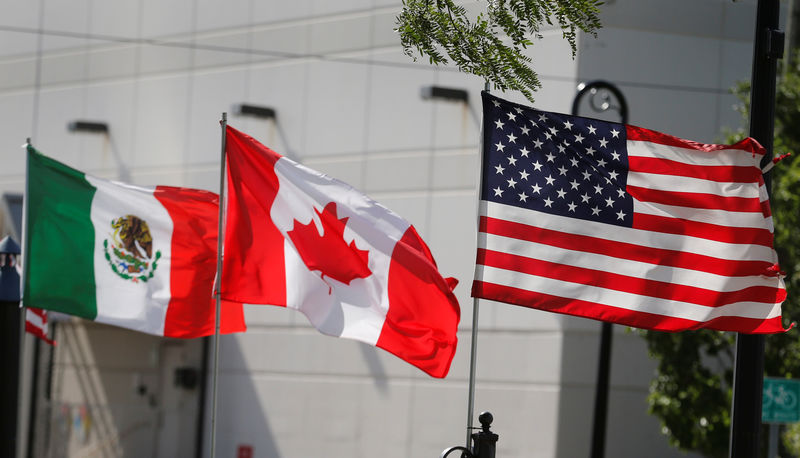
pixel 579 138
pixel 536 188
pixel 512 138
pixel 550 180
pixel 518 110
pixel 511 182
pixel 621 216
pixel 554 131
pixel 542 117
pixel 498 192
pixel 499 168
pixel 615 155
pixel 595 211
pixel 590 151
pixel 568 125
pixel 601 162
pixel 592 129
pixel 572 206
pixel 496 103
pixel 609 202
pixel 615 133
pixel 586 175
pixel 621 192
pixel 613 175
pixel 499 124
pixel 500 146
pixel 524 151
pixel 561 148
pixel 537 143
pixel 523 175
pixel 512 160
pixel 548 135
pixel 525 130
pixel 574 162
pixel 548 202
pixel 550 157
pixel 512 116
pixel 562 170
pixel 574 183
pixel 603 142
pixel 585 198
pixel 537 166
pixel 561 193
pixel 598 189
pixel 523 197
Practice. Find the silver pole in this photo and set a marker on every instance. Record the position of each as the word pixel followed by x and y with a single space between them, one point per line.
pixel 217 288
pixel 474 343
pixel 772 451
pixel 472 357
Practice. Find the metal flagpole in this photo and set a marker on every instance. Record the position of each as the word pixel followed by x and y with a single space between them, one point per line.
pixel 748 377
pixel 472 358
pixel 217 287
pixel 474 343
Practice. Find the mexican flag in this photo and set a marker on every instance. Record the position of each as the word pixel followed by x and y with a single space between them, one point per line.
pixel 135 257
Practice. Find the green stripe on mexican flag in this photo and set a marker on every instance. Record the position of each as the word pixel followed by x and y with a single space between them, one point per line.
pixel 136 257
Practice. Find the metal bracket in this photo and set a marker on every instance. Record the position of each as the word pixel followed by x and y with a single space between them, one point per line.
pixel 773 43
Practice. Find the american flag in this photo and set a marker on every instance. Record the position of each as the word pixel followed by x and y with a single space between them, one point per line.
pixel 624 224
pixel 36 323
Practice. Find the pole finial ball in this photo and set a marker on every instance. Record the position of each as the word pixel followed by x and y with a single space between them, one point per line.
pixel 486 419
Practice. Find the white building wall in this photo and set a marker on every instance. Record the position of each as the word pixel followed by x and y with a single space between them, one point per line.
pixel 348 103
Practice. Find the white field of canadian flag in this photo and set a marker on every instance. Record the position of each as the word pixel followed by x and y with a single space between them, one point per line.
pixel 300 239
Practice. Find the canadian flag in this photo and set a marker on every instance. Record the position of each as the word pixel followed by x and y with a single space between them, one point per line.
pixel 300 239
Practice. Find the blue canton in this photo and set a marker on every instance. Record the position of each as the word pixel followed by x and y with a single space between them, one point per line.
pixel 554 163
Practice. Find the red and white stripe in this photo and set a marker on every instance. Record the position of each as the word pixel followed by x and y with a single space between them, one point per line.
pixel 36 324
pixel 699 254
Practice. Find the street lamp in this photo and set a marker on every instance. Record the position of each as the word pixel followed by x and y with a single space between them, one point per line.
pixel 10 334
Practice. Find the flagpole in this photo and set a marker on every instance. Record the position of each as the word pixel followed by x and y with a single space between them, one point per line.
pixel 748 368
pixel 474 344
pixel 217 287
pixel 472 360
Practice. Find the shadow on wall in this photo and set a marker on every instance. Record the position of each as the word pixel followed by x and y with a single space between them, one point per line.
pixel 576 400
pixel 242 424
pixel 96 410
pixel 630 430
pixel 375 366
pixel 114 394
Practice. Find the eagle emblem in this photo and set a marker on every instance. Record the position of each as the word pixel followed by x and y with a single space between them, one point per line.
pixel 131 254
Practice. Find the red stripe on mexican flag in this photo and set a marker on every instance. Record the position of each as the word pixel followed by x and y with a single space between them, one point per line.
pixel 137 257
pixel 303 240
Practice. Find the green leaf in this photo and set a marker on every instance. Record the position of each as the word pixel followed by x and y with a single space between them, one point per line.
pixel 491 45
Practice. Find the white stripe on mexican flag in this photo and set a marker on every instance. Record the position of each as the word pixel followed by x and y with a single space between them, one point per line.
pixel 136 257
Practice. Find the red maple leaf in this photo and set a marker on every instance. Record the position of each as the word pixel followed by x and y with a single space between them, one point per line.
pixel 329 253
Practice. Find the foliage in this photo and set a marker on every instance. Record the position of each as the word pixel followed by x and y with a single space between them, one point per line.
pixel 691 393
pixel 492 45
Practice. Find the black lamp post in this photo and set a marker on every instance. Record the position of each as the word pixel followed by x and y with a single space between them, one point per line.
pixel 10 334
pixel 601 99
pixel 748 377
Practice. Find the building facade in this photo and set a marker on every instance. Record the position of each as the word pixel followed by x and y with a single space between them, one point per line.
pixel 159 74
